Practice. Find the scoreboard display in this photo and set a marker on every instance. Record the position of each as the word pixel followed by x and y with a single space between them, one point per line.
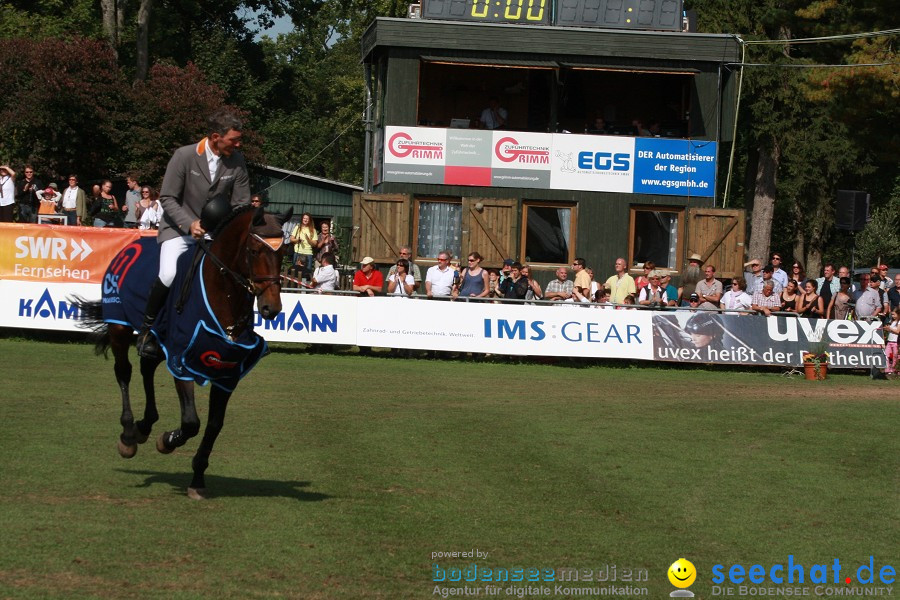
pixel 620 14
pixel 665 15
pixel 528 12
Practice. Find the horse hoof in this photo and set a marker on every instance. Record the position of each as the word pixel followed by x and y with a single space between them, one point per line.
pixel 126 451
pixel 161 445
pixel 197 493
pixel 140 438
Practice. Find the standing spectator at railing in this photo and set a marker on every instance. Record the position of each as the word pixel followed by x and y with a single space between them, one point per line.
pixel 582 282
pixel 368 280
pixel 767 300
pixel 862 287
pixel 894 293
pixel 110 215
pixel 754 276
pixel 642 280
pixel 132 197
pixel 692 275
pixel 148 210
pixel 29 192
pixel 560 289
pixel 74 203
pixel 779 274
pixel 7 194
pixel 665 280
pixel 303 237
pixel 873 302
pixel 534 287
pixel 326 242
pixel 473 280
pixel 798 273
pixel 810 303
pixel 400 282
pixel 737 297
pixel 406 254
pixel 493 283
pixel 515 287
pixel 828 285
pixel 789 296
pixel 840 302
pixel 621 284
pixel 439 278
pixel 653 294
pixel 885 278
pixel 710 289
pixel 325 278
pixel 505 270
pixel 768 274
pixel 890 349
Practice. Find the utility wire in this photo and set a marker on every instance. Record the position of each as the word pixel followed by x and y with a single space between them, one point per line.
pixel 298 171
pixel 830 38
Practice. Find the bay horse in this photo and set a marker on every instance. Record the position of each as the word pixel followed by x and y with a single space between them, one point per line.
pixel 220 282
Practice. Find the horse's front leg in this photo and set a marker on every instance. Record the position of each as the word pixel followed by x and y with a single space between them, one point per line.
pixel 151 415
pixel 190 422
pixel 218 403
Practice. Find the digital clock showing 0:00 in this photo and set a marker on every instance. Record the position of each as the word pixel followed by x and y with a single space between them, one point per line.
pixel 530 12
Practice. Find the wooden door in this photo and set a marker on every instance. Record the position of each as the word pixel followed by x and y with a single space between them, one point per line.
pixel 717 235
pixel 383 221
pixel 489 228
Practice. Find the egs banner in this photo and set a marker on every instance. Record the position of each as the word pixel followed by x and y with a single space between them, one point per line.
pixel 54 253
pixel 604 163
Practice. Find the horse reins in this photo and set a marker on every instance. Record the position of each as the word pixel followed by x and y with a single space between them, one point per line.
pixel 244 282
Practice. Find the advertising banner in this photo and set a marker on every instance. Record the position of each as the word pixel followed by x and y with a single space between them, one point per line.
pixel 514 329
pixel 504 329
pixel 709 337
pixel 57 253
pixel 664 166
pixel 597 163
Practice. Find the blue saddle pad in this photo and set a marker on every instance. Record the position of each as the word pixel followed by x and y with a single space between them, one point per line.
pixel 195 344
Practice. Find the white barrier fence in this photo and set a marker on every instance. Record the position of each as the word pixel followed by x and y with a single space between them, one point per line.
pixel 515 329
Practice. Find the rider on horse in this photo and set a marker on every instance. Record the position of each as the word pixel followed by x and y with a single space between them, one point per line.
pixel 204 180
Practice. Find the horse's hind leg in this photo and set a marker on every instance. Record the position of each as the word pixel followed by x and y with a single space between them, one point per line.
pixel 218 403
pixel 190 422
pixel 120 341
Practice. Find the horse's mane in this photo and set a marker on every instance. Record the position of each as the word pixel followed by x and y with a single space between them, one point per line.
pixel 270 228
pixel 235 213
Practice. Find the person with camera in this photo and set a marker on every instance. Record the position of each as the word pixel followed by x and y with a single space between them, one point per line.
pixel 28 196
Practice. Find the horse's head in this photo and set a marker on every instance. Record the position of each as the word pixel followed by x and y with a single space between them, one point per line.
pixel 265 252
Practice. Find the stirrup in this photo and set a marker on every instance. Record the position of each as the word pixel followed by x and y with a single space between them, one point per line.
pixel 147 345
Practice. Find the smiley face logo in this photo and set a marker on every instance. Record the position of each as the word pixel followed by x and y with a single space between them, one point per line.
pixel 682 573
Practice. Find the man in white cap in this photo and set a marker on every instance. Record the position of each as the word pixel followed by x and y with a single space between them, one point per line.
pixel 368 281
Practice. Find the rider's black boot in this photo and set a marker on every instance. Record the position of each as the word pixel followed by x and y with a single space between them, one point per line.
pixel 147 344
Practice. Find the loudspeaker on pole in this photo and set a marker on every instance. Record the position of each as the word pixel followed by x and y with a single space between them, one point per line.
pixel 852 210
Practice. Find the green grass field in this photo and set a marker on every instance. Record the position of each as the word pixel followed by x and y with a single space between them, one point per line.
pixel 339 476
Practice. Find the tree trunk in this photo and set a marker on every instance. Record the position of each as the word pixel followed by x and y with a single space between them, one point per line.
pixel 143 33
pixel 110 24
pixel 814 263
pixel 764 202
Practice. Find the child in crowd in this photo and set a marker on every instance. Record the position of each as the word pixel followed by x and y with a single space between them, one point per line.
pixel 890 350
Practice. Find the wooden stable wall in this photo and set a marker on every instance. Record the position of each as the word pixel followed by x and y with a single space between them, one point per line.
pixel 717 235
pixel 383 226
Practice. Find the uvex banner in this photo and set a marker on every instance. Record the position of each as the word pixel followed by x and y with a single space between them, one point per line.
pixel 53 253
pixel 560 161
pixel 709 337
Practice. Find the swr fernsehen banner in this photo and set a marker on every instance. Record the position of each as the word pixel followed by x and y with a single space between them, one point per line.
pixel 597 163
pixel 541 330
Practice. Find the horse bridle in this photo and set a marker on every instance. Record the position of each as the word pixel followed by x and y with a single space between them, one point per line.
pixel 249 284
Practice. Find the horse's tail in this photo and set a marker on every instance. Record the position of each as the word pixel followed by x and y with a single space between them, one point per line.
pixel 90 316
